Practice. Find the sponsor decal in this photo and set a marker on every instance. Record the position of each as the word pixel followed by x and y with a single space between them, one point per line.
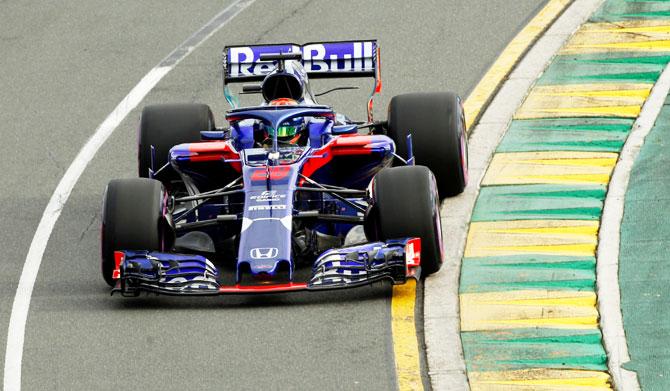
pixel 317 58
pixel 267 207
pixel 274 173
pixel 268 196
pixel 264 252
pixel 263 267
pixel 246 60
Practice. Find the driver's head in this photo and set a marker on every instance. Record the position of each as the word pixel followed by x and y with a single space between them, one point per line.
pixel 283 102
pixel 289 132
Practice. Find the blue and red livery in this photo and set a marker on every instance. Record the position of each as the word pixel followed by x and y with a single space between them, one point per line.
pixel 242 211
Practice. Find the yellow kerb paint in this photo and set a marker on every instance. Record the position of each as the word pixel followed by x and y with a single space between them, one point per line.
pixel 540 379
pixel 405 344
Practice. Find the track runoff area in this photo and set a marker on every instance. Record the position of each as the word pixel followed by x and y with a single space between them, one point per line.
pixel 539 295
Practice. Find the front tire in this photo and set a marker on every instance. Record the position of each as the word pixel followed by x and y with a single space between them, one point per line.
pixel 165 126
pixel 406 204
pixel 132 219
pixel 439 140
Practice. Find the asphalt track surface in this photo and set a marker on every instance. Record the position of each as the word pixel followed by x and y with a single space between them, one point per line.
pixel 65 66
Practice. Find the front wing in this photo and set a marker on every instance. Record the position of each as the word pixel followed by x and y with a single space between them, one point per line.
pixel 181 274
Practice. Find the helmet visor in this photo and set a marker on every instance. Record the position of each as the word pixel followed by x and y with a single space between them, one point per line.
pixel 286 131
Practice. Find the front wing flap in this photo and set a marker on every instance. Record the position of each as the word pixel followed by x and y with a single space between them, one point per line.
pixel 360 265
pixel 165 273
pixel 182 274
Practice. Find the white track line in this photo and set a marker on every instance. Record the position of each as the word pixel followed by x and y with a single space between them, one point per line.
pixel 21 305
pixel 607 269
pixel 446 364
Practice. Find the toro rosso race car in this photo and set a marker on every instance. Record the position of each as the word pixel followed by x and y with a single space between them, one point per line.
pixel 291 195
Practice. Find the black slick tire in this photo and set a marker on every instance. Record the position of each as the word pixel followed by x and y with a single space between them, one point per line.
pixel 406 204
pixel 439 140
pixel 165 126
pixel 132 219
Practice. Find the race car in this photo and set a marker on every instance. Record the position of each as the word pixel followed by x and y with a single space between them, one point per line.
pixel 291 195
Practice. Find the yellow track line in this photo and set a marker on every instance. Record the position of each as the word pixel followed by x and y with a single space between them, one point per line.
pixel 405 341
pixel 403 323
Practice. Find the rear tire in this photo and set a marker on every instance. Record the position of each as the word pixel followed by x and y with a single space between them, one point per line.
pixel 132 219
pixel 165 126
pixel 406 204
pixel 439 141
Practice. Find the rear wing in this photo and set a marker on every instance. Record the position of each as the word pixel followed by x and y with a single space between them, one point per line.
pixel 320 60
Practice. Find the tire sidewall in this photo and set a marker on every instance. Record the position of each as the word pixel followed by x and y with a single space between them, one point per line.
pixel 166 125
pixel 439 139
pixel 406 204
pixel 133 218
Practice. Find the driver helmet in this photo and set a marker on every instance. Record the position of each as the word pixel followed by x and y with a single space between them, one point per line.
pixel 290 131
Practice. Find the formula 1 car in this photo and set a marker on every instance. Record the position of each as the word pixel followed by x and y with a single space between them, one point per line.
pixel 291 195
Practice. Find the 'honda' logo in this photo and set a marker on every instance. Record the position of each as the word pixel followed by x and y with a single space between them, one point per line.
pixel 264 253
